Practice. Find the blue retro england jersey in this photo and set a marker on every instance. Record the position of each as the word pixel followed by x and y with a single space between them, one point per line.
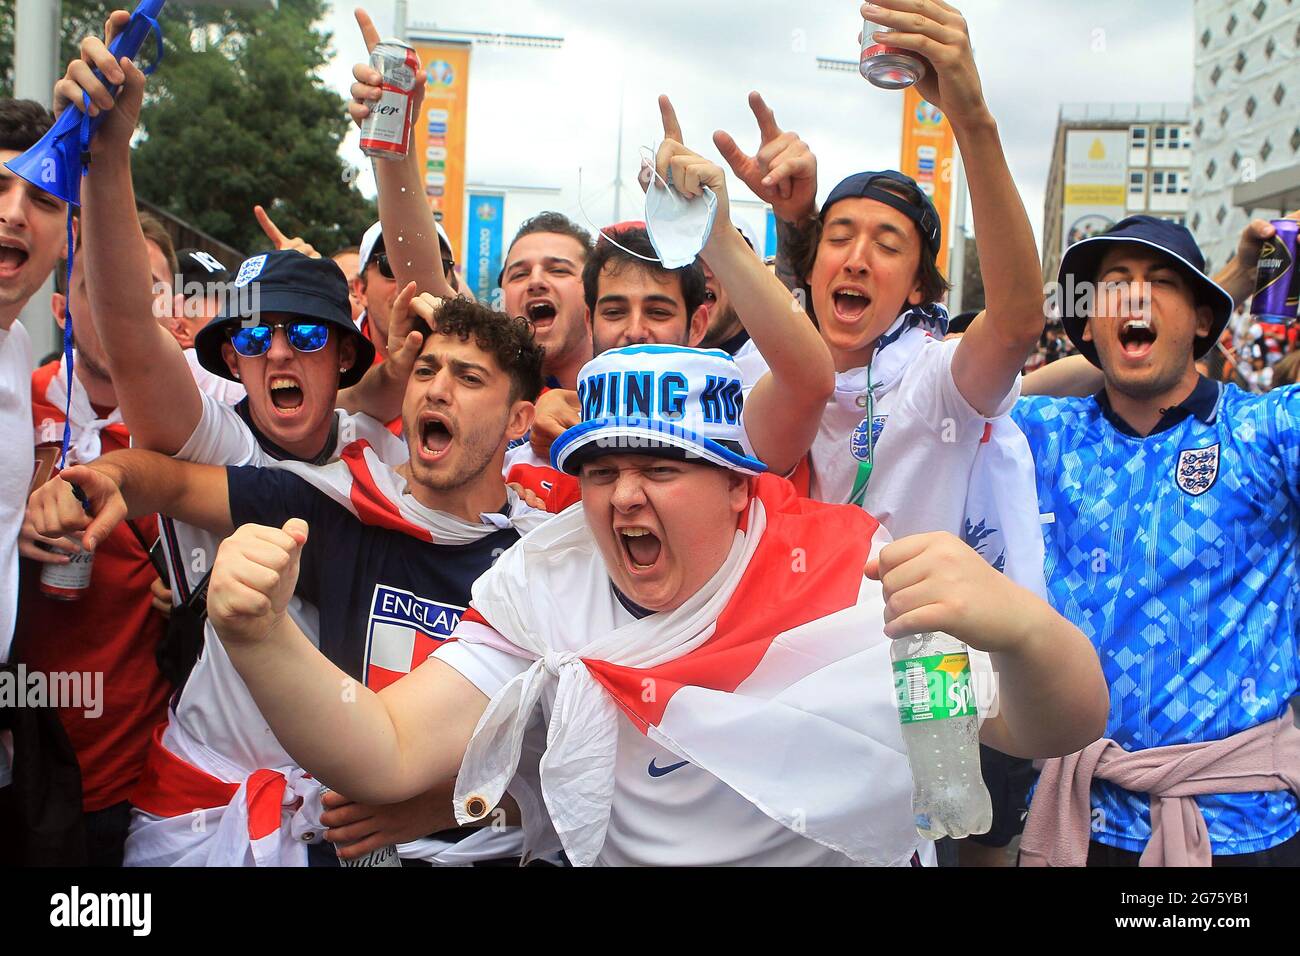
pixel 1176 555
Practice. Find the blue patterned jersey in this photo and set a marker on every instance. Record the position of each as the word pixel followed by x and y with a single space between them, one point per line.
pixel 1176 555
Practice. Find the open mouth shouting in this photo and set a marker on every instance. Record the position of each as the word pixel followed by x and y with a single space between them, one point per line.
pixel 286 394
pixel 1136 339
pixel 13 256
pixel 436 434
pixel 541 313
pixel 850 304
pixel 641 547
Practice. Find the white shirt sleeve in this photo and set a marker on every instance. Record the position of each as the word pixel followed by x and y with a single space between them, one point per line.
pixel 220 438
pixel 929 395
pixel 479 654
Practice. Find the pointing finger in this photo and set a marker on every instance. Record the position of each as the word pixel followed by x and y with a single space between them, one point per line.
pixel 672 128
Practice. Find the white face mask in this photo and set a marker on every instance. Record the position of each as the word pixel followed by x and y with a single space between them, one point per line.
pixel 678 227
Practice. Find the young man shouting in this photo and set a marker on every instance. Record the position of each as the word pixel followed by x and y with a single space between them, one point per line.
pixel 1172 510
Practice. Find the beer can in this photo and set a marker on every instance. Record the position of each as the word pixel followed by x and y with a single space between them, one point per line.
pixel 1277 290
pixel 67 582
pixel 386 131
pixel 888 67
pixel 383 856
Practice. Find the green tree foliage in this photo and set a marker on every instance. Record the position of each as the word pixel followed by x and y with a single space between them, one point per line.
pixel 236 116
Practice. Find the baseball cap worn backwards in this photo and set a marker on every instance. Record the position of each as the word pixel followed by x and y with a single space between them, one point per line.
pixel 668 401
pixel 874 185
pixel 1082 260
pixel 289 282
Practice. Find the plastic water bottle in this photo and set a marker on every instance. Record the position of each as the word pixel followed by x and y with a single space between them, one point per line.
pixel 936 705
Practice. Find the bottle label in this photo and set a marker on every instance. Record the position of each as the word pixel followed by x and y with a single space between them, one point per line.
pixel 933 688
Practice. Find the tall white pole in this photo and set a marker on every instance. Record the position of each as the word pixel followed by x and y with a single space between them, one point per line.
pixel 618 155
pixel 957 258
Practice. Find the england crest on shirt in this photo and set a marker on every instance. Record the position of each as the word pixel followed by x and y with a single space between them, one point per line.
pixel 859 442
pixel 403 630
pixel 1197 469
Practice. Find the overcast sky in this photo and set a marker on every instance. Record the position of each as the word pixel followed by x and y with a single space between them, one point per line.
pixel 537 116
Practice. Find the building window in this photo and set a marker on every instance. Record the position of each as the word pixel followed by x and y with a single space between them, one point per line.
pixel 1138 137
pixel 1270 48
pixel 1211 168
pixel 1266 151
pixel 1157 183
pixel 1216 74
pixel 1223 116
pixel 1206 37
pixel 1137 183
pixel 1261 8
pixel 1239 64
pixel 1175 133
pixel 1279 94
pixel 1295 140
pixel 1231 24
pixel 1200 127
pixel 1160 137
pixel 1251 106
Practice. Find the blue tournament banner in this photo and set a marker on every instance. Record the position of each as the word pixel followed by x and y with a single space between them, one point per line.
pixel 483 243
pixel 769 243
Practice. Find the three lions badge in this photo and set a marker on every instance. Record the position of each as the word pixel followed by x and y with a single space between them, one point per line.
pixel 1196 469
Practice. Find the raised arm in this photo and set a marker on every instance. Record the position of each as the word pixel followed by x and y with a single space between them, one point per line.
pixel 1238 276
pixel 1052 696
pixel 1002 337
pixel 160 402
pixel 127 484
pixel 376 748
pixel 783 411
pixel 410 233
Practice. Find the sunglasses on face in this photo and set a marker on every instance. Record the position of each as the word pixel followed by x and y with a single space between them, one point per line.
pixel 386 268
pixel 255 340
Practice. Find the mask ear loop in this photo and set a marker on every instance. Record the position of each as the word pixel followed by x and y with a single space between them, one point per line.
pixel 606 236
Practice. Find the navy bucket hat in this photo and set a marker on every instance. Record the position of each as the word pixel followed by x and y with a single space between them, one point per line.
pixel 1082 260
pixel 290 282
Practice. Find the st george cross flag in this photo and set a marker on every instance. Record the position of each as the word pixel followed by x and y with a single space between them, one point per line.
pixel 363 484
pixel 775 678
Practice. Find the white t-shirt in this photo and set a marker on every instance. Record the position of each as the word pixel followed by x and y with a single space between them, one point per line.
pixel 665 812
pixel 928 437
pixel 17 459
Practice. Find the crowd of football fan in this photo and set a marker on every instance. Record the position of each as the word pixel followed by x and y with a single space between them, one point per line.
pixel 477 566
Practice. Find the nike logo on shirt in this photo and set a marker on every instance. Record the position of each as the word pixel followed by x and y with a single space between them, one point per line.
pixel 660 771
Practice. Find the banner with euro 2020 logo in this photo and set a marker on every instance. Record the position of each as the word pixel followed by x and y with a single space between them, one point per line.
pixel 482 259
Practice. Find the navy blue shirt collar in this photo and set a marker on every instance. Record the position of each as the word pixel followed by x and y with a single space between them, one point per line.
pixel 1203 402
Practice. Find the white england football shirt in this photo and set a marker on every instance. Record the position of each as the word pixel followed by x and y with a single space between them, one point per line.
pixel 665 811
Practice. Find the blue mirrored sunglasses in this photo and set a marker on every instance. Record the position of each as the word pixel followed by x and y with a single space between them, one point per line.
pixel 255 340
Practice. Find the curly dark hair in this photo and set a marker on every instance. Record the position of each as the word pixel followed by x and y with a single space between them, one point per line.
pixel 637 239
pixel 802 253
pixel 22 123
pixel 509 341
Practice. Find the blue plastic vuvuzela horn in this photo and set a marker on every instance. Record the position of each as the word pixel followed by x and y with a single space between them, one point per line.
pixel 55 164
